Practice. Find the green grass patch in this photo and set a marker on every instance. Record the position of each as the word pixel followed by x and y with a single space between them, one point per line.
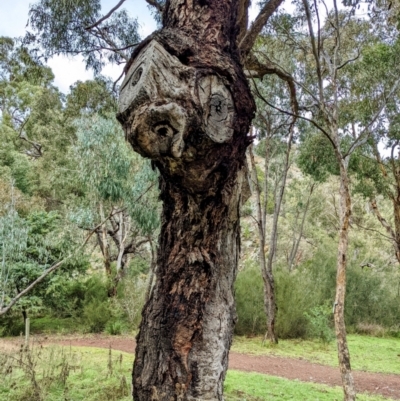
pixel 367 353
pixel 65 373
pixel 58 373
pixel 241 386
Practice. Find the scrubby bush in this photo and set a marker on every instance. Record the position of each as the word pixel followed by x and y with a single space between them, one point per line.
pixel 305 297
pixel 319 323
pixel 115 328
pixel 249 301
pixel 96 306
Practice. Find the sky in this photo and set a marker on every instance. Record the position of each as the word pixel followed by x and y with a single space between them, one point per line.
pixel 67 70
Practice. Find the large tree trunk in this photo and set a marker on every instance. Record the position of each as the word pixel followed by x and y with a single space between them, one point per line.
pixel 340 328
pixel 185 103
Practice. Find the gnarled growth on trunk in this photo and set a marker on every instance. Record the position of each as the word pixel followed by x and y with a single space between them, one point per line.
pixel 185 103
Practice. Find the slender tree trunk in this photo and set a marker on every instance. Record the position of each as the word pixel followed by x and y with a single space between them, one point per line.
pixel 185 103
pixel 153 266
pixel 272 306
pixel 24 314
pixel 296 242
pixel 268 279
pixel 103 242
pixel 340 328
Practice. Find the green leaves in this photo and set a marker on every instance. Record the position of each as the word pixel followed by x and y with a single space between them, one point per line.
pixel 66 27
pixel 113 173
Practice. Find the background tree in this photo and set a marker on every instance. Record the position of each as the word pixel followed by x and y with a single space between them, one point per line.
pixel 275 129
pixel 331 46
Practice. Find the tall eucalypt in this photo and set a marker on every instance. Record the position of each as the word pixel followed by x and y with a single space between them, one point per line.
pixel 186 104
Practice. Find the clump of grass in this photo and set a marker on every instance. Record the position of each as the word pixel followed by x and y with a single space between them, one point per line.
pixel 371 329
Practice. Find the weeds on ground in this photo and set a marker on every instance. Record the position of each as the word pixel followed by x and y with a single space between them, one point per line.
pixel 56 373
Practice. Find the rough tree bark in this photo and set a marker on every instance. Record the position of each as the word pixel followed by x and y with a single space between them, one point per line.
pixel 185 103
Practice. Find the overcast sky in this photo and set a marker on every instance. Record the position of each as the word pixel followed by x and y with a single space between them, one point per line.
pixel 14 17
pixel 67 70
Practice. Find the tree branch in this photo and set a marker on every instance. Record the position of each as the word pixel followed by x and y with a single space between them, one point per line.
pixel 269 68
pixel 30 286
pixel 247 42
pixel 363 136
pixel 108 15
pixel 316 125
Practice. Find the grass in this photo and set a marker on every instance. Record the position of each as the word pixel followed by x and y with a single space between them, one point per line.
pixel 241 386
pixel 93 374
pixel 58 374
pixel 367 353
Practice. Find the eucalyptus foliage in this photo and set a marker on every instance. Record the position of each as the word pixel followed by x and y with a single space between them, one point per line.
pixel 66 27
pixel 112 173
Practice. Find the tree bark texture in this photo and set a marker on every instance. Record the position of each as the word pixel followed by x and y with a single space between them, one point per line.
pixel 340 328
pixel 185 103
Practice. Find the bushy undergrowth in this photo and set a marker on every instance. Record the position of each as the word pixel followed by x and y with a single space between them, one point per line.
pixel 89 309
pixel 305 295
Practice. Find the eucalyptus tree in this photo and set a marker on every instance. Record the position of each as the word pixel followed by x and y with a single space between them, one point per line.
pixel 120 205
pixel 76 27
pixel 326 42
pixel 31 248
pixel 186 104
pixel 377 164
pixel 276 132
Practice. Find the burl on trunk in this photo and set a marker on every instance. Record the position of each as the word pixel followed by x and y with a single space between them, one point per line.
pixel 185 104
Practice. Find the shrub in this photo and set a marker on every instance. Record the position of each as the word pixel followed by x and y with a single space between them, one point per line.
pixel 96 307
pixel 114 328
pixel 96 316
pixel 130 299
pixel 250 301
pixel 319 323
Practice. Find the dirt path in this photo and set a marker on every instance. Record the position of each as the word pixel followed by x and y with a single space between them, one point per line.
pixel 387 385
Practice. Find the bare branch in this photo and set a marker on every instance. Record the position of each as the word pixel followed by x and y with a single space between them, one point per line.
pixel 349 61
pixel 247 42
pixel 316 125
pixel 269 68
pixel 243 18
pixel 314 50
pixel 108 15
pixel 30 286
